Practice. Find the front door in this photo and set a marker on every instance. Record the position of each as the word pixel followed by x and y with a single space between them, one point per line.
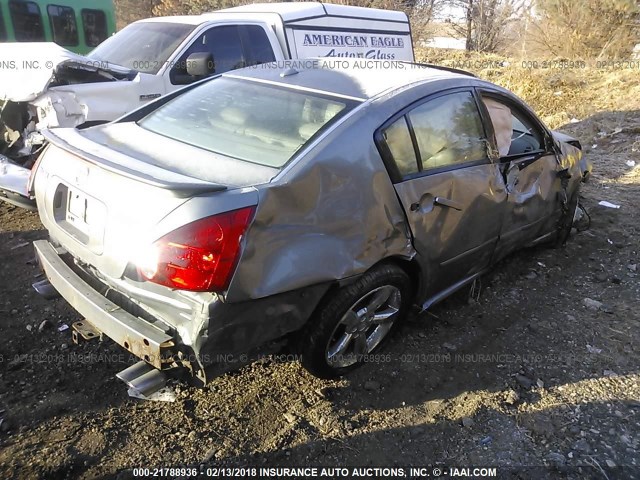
pixel 530 171
pixel 452 194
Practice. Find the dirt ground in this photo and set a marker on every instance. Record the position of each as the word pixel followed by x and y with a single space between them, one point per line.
pixel 526 370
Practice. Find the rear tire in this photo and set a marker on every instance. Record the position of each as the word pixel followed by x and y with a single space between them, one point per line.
pixel 355 321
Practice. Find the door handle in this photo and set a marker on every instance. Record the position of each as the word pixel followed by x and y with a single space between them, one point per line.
pixel 445 202
pixel 428 201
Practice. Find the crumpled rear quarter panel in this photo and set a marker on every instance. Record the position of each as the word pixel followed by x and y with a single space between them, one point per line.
pixel 332 215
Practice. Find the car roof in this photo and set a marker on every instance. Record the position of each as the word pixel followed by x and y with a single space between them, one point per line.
pixel 357 78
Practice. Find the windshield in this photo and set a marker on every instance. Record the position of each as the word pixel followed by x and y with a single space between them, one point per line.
pixel 250 121
pixel 143 46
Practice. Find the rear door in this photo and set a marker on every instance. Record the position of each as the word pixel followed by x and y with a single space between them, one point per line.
pixel 453 195
pixel 530 171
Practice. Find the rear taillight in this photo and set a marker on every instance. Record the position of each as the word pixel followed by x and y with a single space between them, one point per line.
pixel 200 256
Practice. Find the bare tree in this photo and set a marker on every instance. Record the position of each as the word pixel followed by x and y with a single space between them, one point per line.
pixel 483 22
pixel 587 28
pixel 193 7
pixel 424 14
pixel 128 11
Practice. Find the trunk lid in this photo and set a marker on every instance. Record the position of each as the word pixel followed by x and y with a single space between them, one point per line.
pixel 103 206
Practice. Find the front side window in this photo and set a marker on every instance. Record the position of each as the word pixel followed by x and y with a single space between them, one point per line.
pixel 448 131
pixel 246 120
pixel 27 21
pixel 63 25
pixel 515 133
pixel 142 46
pixel 94 24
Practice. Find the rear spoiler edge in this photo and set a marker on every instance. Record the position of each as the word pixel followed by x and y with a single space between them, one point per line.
pixel 179 189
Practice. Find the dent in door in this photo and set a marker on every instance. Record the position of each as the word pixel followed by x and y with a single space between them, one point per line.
pixel 533 188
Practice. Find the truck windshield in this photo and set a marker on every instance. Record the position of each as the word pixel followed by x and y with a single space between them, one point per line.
pixel 250 121
pixel 143 46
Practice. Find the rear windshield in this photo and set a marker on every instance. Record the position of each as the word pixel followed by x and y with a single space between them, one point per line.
pixel 250 121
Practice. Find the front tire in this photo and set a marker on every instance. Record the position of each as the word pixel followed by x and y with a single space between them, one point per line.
pixel 355 321
pixel 566 221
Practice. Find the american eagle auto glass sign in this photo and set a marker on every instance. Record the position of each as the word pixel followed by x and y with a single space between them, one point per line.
pixel 375 46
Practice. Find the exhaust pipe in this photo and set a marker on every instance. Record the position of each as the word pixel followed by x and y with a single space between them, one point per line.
pixel 143 378
pixel 45 289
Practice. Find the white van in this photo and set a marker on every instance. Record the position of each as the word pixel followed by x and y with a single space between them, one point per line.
pixel 43 85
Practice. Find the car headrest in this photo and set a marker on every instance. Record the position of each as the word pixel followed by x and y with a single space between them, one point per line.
pixel 307 130
pixel 234 116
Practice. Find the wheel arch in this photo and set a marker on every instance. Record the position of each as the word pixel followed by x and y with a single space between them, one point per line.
pixel 410 266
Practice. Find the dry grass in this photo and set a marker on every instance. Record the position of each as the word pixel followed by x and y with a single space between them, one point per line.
pixel 558 92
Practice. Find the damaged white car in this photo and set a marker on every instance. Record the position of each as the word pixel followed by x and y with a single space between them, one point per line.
pixel 25 110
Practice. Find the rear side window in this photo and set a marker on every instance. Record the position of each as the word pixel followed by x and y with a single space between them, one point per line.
pixel 398 140
pixel 256 45
pixel 63 25
pixel 448 131
pixel 436 135
pixel 94 24
pixel 27 21
pixel 3 29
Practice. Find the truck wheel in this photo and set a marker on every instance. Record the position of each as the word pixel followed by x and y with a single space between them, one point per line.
pixel 355 321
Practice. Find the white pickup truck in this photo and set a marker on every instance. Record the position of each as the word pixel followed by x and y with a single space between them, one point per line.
pixel 45 86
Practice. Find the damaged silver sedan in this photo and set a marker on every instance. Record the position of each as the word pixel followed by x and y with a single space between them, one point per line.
pixel 314 204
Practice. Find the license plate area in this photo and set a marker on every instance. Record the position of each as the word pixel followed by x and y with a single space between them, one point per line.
pixel 80 215
pixel 77 211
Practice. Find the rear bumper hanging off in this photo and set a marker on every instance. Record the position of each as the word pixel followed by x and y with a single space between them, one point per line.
pixel 136 335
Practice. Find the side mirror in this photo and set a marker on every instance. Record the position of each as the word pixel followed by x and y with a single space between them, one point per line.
pixel 200 64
